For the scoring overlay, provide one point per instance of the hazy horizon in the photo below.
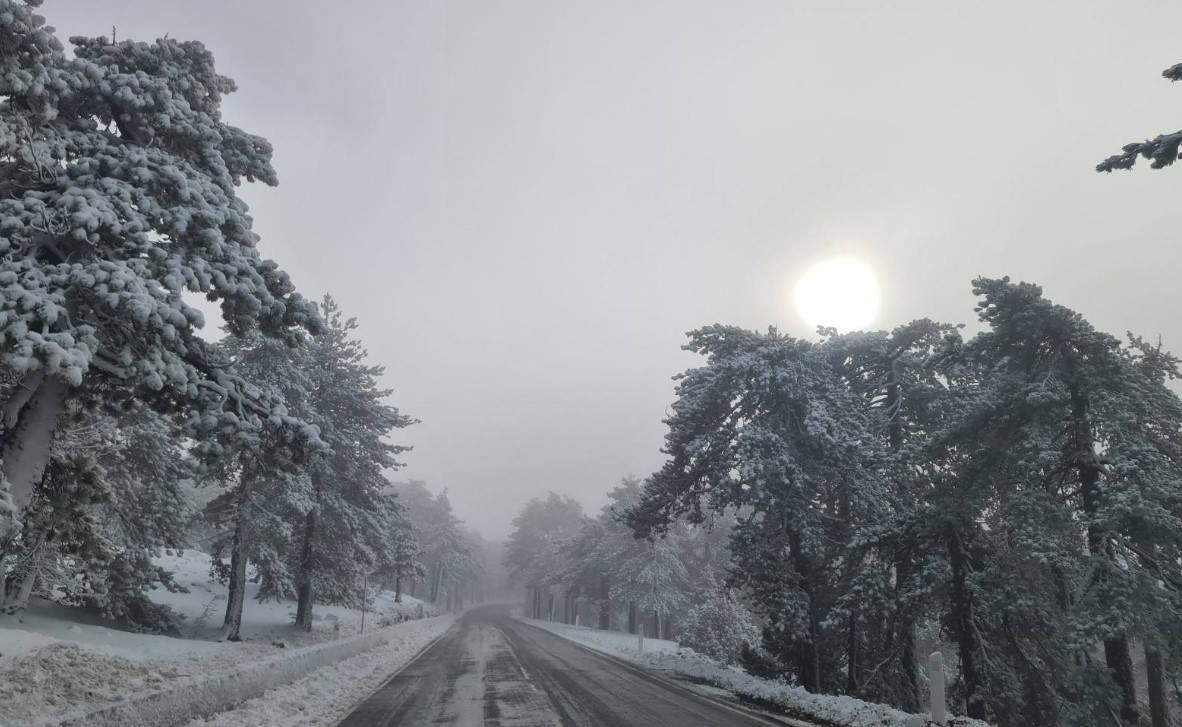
(527, 204)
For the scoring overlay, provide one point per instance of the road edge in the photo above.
(381, 685)
(771, 718)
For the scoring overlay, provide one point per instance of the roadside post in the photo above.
(936, 682)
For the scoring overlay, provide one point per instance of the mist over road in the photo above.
(493, 671)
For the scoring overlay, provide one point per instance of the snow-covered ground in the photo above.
(668, 657)
(323, 696)
(205, 605)
(58, 659)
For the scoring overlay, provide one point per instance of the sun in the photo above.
(842, 293)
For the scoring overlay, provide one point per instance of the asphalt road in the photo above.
(492, 671)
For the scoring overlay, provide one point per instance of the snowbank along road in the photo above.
(493, 671)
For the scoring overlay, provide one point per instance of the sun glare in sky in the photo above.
(841, 292)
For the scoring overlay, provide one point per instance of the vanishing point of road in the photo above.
(491, 670)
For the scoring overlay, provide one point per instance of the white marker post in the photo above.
(936, 682)
(640, 638)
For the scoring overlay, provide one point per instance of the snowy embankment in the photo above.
(60, 664)
(321, 698)
(668, 657)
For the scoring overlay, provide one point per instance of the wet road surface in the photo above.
(492, 671)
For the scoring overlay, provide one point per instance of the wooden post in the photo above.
(364, 599)
(936, 682)
(640, 638)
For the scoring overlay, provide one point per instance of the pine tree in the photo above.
(119, 183)
(719, 625)
(887, 567)
(445, 550)
(769, 426)
(345, 535)
(266, 479)
(1162, 150)
(400, 564)
(534, 552)
(111, 499)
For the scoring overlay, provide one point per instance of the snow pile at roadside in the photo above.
(63, 677)
(176, 703)
(682, 662)
(611, 642)
(323, 696)
(47, 625)
(59, 659)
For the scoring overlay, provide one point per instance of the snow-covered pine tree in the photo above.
(415, 502)
(119, 179)
(345, 534)
(1104, 435)
(652, 575)
(112, 498)
(266, 478)
(534, 551)
(887, 566)
(400, 564)
(768, 425)
(585, 570)
(718, 625)
(444, 548)
(1162, 150)
(146, 467)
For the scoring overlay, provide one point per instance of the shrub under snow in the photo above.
(719, 626)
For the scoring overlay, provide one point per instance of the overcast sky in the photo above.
(527, 204)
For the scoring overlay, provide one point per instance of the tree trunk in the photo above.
(808, 663)
(30, 420)
(1116, 650)
(237, 595)
(605, 604)
(17, 600)
(1158, 712)
(962, 625)
(908, 659)
(633, 618)
(808, 659)
(1120, 663)
(550, 607)
(304, 585)
(437, 585)
(398, 586)
(909, 699)
(851, 676)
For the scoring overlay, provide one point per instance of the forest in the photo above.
(827, 507)
(830, 510)
(124, 430)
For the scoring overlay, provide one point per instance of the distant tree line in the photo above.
(594, 571)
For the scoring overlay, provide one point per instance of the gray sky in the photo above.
(527, 203)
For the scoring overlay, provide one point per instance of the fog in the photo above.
(527, 204)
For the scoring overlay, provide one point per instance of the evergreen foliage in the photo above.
(120, 179)
(1022, 489)
(719, 625)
